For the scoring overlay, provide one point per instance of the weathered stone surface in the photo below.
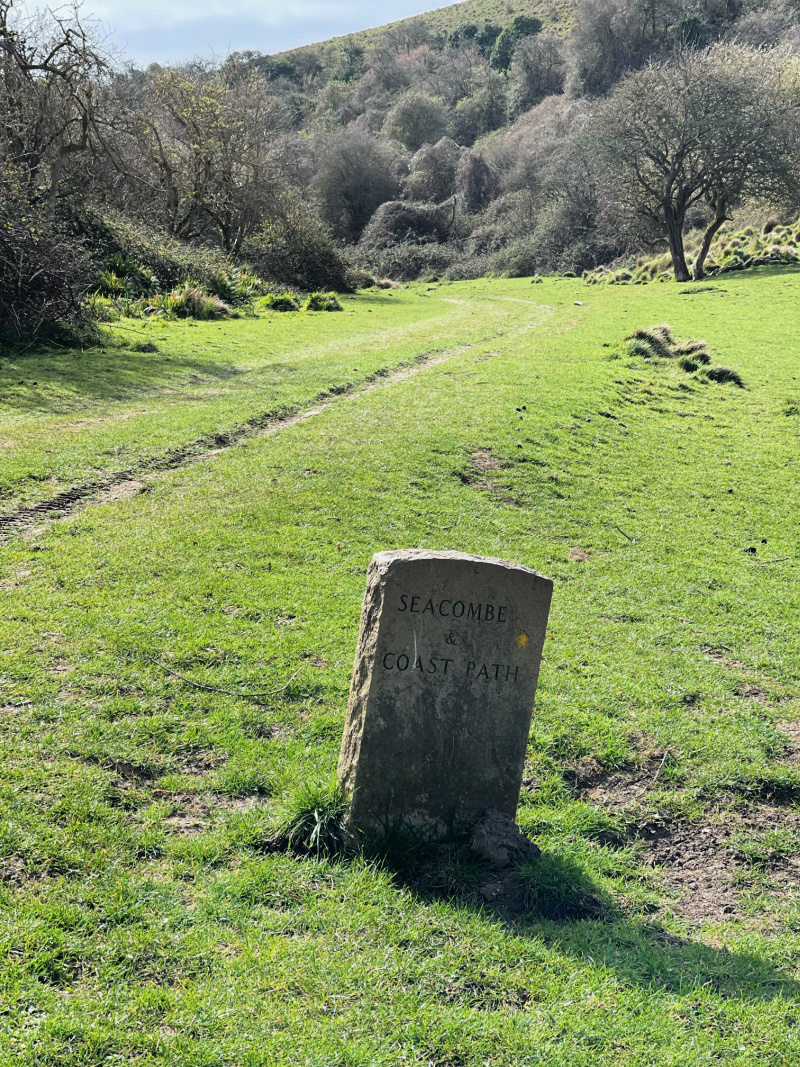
(497, 839)
(443, 689)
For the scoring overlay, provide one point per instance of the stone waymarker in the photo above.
(442, 692)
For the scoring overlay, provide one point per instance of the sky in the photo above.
(166, 31)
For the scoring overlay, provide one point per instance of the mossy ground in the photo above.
(144, 917)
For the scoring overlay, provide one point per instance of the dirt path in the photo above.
(127, 483)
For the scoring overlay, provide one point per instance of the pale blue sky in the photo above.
(169, 30)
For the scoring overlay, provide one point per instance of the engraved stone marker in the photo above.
(443, 688)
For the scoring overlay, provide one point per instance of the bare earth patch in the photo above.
(121, 491)
(698, 865)
(753, 692)
(195, 814)
(578, 555)
(483, 460)
(695, 864)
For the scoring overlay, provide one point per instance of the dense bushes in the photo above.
(405, 262)
(43, 274)
(400, 222)
(147, 259)
(299, 250)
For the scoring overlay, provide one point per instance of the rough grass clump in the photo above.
(655, 343)
(312, 819)
(659, 343)
(724, 375)
(280, 302)
(187, 302)
(695, 349)
(322, 302)
(236, 286)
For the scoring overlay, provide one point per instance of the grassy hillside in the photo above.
(554, 15)
(500, 12)
(175, 657)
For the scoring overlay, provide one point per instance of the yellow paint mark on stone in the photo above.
(522, 641)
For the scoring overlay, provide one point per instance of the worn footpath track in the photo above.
(263, 424)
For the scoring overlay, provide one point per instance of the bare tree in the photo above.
(201, 151)
(537, 70)
(356, 173)
(50, 67)
(706, 127)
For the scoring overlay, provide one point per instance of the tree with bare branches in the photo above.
(51, 64)
(704, 128)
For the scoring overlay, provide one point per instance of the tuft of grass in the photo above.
(724, 375)
(657, 341)
(312, 818)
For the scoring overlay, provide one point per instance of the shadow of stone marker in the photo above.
(442, 692)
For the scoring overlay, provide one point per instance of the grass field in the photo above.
(184, 509)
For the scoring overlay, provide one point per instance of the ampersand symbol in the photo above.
(451, 638)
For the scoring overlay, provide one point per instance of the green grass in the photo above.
(556, 17)
(145, 916)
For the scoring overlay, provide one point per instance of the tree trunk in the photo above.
(720, 216)
(52, 192)
(674, 220)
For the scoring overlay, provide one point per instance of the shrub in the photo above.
(133, 250)
(407, 262)
(399, 222)
(417, 120)
(298, 250)
(516, 260)
(43, 274)
(358, 278)
(322, 302)
(110, 284)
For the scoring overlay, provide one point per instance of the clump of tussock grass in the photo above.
(696, 349)
(658, 343)
(280, 302)
(311, 819)
(724, 375)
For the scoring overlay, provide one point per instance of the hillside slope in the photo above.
(555, 15)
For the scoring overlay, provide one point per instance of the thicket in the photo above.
(490, 148)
